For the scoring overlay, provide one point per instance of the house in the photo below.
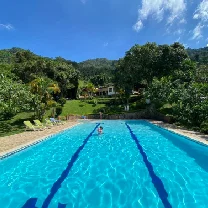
(108, 90)
(111, 90)
(101, 91)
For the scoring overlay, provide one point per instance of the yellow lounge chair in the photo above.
(38, 123)
(29, 126)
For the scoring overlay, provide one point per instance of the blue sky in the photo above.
(86, 29)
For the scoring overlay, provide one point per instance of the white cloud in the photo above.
(197, 32)
(182, 21)
(158, 8)
(200, 14)
(179, 31)
(7, 26)
(138, 26)
(202, 11)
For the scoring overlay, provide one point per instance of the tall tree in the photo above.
(14, 97)
(43, 89)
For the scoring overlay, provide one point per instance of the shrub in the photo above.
(204, 127)
(58, 110)
(141, 104)
(62, 101)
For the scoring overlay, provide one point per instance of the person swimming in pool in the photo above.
(100, 130)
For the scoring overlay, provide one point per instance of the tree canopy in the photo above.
(143, 63)
(170, 74)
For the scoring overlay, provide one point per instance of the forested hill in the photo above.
(98, 71)
(9, 55)
(199, 55)
(25, 66)
(99, 62)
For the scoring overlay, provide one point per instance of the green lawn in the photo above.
(15, 125)
(77, 107)
(72, 107)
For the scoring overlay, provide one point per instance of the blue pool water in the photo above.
(133, 164)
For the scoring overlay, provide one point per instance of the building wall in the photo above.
(111, 90)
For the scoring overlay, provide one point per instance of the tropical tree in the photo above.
(90, 89)
(187, 93)
(44, 89)
(14, 97)
(143, 63)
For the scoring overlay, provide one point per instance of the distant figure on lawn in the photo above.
(101, 115)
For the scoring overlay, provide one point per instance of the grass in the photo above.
(14, 125)
(78, 107)
(72, 107)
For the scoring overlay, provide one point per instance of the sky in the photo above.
(85, 29)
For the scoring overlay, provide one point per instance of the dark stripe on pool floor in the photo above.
(31, 202)
(157, 182)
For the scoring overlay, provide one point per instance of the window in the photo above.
(110, 89)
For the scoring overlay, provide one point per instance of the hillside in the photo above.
(99, 71)
(8, 55)
(199, 55)
(99, 62)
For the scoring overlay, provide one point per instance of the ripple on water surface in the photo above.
(109, 171)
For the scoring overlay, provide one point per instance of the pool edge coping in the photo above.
(178, 134)
(22, 147)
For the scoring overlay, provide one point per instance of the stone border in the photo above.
(30, 144)
(178, 134)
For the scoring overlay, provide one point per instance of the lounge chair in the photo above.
(48, 122)
(55, 121)
(29, 126)
(38, 123)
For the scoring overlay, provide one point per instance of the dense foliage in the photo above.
(169, 75)
(14, 97)
(35, 80)
(199, 55)
(171, 78)
(97, 71)
(143, 63)
(187, 95)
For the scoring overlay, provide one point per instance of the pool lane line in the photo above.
(30, 203)
(157, 182)
(65, 173)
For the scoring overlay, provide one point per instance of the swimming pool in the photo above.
(133, 164)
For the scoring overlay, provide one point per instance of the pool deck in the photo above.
(197, 136)
(14, 142)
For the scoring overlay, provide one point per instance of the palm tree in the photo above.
(90, 89)
(43, 88)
